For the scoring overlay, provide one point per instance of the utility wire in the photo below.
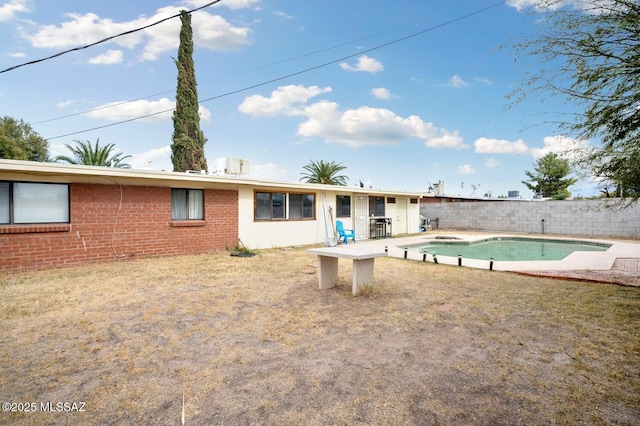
(264, 83)
(106, 39)
(304, 55)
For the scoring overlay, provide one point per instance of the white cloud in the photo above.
(154, 159)
(282, 14)
(523, 4)
(84, 29)
(210, 32)
(540, 5)
(465, 170)
(363, 126)
(231, 4)
(161, 109)
(56, 149)
(500, 146)
(483, 80)
(285, 100)
(417, 80)
(111, 57)
(560, 145)
(457, 82)
(18, 55)
(365, 64)
(11, 8)
(491, 163)
(447, 139)
(536, 4)
(381, 93)
(269, 171)
(215, 33)
(353, 127)
(64, 104)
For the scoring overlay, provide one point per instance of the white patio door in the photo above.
(361, 217)
(400, 225)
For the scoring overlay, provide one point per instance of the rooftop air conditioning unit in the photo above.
(231, 166)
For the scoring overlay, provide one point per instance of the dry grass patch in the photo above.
(253, 341)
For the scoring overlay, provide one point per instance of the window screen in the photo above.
(5, 215)
(343, 206)
(301, 206)
(270, 205)
(40, 203)
(376, 206)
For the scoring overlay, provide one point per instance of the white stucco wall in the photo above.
(284, 233)
(567, 217)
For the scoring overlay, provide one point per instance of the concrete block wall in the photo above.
(587, 218)
(117, 222)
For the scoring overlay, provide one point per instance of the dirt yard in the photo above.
(254, 341)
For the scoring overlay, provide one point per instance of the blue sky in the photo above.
(306, 83)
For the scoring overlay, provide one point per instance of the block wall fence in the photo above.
(110, 222)
(584, 218)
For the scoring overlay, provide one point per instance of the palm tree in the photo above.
(324, 172)
(97, 155)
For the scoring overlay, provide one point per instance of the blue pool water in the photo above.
(509, 248)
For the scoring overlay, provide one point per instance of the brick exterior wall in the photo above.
(110, 222)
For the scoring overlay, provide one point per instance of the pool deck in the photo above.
(622, 258)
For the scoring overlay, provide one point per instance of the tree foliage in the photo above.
(325, 172)
(590, 54)
(187, 149)
(18, 141)
(550, 178)
(94, 155)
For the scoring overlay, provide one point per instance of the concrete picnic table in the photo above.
(362, 265)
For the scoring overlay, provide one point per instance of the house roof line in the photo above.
(109, 175)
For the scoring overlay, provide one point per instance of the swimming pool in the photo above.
(508, 248)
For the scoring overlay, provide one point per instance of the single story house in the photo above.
(54, 214)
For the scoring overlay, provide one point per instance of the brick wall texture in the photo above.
(110, 222)
(586, 218)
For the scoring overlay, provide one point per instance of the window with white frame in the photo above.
(34, 202)
(187, 204)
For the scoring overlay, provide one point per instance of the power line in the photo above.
(106, 39)
(264, 83)
(205, 82)
(100, 108)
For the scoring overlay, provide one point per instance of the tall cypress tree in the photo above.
(187, 150)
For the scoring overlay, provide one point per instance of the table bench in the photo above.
(362, 266)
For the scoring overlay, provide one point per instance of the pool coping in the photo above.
(588, 261)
